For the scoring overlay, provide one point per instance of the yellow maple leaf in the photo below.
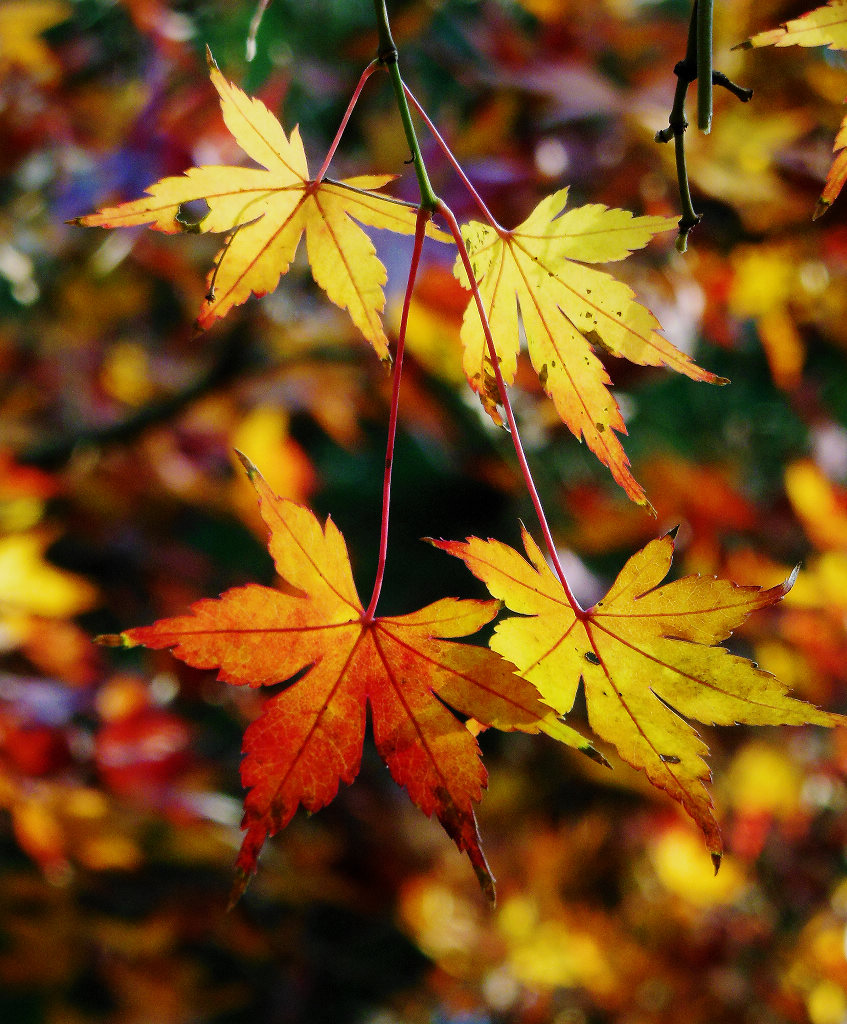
(644, 656)
(267, 210)
(824, 26)
(568, 309)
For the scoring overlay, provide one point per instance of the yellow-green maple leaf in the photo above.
(644, 656)
(567, 309)
(824, 26)
(266, 211)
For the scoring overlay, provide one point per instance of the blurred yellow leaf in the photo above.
(763, 285)
(564, 951)
(125, 374)
(262, 435)
(820, 507)
(21, 25)
(827, 1003)
(28, 583)
(737, 163)
(763, 278)
(40, 834)
(678, 861)
(822, 584)
(763, 777)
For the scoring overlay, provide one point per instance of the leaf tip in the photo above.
(114, 640)
(485, 878)
(442, 545)
(210, 60)
(716, 856)
(777, 593)
(249, 467)
(591, 751)
(239, 885)
(821, 207)
(784, 587)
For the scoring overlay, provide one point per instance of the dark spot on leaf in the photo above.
(669, 758)
(591, 657)
(190, 214)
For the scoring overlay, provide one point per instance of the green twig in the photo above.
(704, 65)
(387, 55)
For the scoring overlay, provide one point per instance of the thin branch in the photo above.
(420, 230)
(232, 361)
(697, 65)
(253, 31)
(686, 72)
(453, 225)
(457, 167)
(354, 99)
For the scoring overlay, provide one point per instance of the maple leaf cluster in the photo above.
(122, 502)
(567, 308)
(645, 654)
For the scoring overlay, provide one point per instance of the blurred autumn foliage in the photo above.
(121, 502)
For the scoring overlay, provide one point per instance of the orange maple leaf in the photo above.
(644, 656)
(837, 173)
(309, 737)
(266, 212)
